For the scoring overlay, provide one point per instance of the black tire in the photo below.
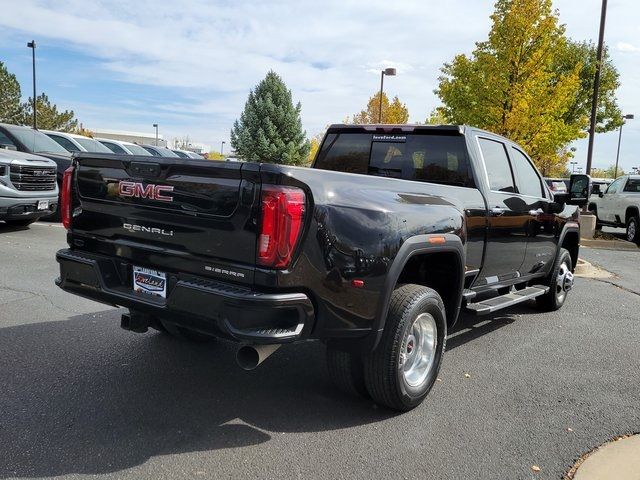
(184, 334)
(594, 209)
(633, 230)
(556, 296)
(24, 222)
(346, 371)
(383, 368)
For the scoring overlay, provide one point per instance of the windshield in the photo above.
(92, 145)
(136, 149)
(35, 141)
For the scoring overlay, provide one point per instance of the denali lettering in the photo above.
(141, 228)
(139, 190)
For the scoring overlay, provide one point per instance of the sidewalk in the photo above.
(617, 460)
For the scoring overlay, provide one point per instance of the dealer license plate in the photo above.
(151, 282)
(43, 204)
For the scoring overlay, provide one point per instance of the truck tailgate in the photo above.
(201, 211)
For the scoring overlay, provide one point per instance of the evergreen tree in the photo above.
(11, 110)
(49, 118)
(270, 128)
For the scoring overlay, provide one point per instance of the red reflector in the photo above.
(357, 283)
(65, 198)
(282, 219)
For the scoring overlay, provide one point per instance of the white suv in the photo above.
(76, 143)
(619, 206)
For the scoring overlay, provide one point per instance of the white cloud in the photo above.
(627, 47)
(210, 53)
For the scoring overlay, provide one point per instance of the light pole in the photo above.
(596, 86)
(389, 72)
(573, 166)
(32, 46)
(222, 148)
(156, 127)
(624, 117)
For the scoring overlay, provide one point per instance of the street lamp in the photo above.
(156, 127)
(624, 117)
(389, 72)
(32, 46)
(222, 148)
(573, 166)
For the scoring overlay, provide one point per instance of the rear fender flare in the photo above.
(417, 245)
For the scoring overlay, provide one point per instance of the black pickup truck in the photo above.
(374, 250)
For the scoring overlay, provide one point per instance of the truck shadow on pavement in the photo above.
(83, 396)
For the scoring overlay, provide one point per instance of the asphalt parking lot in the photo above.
(79, 396)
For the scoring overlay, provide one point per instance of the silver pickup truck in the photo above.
(28, 188)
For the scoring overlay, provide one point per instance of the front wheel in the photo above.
(559, 281)
(633, 230)
(401, 371)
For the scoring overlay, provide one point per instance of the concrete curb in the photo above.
(608, 244)
(587, 270)
(619, 459)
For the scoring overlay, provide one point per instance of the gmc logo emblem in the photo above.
(139, 190)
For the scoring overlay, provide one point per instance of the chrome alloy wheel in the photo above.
(564, 282)
(419, 350)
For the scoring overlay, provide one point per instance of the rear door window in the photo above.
(527, 178)
(497, 165)
(633, 185)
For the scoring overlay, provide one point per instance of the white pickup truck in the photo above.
(619, 206)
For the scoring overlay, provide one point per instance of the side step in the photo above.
(503, 301)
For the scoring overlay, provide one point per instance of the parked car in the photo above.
(123, 148)
(28, 140)
(619, 206)
(187, 154)
(374, 250)
(159, 151)
(28, 188)
(76, 143)
(557, 185)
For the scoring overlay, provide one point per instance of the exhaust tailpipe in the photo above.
(250, 356)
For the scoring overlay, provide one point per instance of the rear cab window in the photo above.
(419, 156)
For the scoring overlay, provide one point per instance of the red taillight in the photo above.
(282, 218)
(65, 198)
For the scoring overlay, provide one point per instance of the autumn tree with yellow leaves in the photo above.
(394, 112)
(527, 81)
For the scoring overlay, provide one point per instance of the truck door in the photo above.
(508, 216)
(606, 206)
(541, 243)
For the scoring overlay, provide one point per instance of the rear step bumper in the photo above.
(197, 303)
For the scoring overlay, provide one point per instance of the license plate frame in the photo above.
(149, 281)
(43, 205)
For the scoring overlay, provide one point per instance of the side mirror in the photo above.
(579, 188)
(601, 194)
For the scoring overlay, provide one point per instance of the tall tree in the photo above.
(49, 118)
(525, 82)
(270, 128)
(11, 110)
(394, 112)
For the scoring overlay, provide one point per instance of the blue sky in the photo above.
(189, 64)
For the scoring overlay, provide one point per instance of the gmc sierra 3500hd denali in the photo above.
(374, 250)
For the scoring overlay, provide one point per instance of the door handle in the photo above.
(535, 213)
(497, 211)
